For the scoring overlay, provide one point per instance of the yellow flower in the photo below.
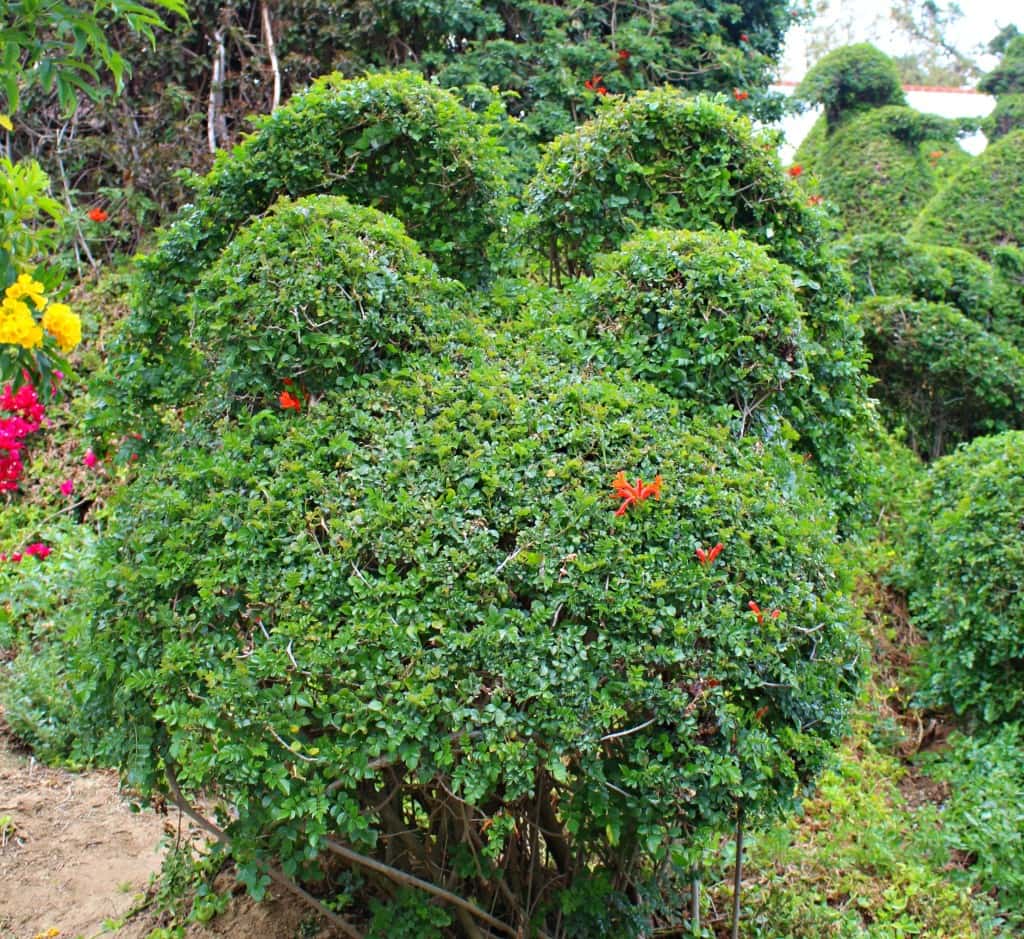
(63, 325)
(5, 122)
(17, 325)
(25, 286)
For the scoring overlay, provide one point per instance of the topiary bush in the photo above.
(409, 622)
(978, 209)
(962, 566)
(940, 376)
(872, 166)
(889, 264)
(391, 141)
(850, 79)
(264, 314)
(708, 317)
(1006, 82)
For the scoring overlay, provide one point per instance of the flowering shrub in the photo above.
(417, 586)
(941, 376)
(25, 415)
(962, 566)
(29, 346)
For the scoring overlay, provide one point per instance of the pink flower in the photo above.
(16, 557)
(39, 549)
(90, 459)
(67, 487)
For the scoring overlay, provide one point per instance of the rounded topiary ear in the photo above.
(663, 159)
(708, 316)
(315, 292)
(392, 141)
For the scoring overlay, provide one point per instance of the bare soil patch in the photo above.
(74, 854)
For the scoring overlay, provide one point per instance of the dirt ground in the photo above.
(75, 860)
(73, 854)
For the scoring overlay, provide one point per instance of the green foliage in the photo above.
(34, 595)
(545, 53)
(963, 562)
(1006, 82)
(391, 141)
(709, 317)
(873, 167)
(25, 209)
(982, 820)
(662, 159)
(978, 209)
(889, 264)
(851, 79)
(859, 864)
(421, 584)
(263, 313)
(58, 45)
(409, 915)
(941, 377)
(1007, 78)
(1007, 116)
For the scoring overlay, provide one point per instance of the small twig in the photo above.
(631, 730)
(511, 557)
(295, 753)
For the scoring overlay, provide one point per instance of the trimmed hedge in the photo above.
(963, 567)
(941, 377)
(980, 210)
(264, 313)
(889, 264)
(420, 587)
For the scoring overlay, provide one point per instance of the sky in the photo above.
(848, 21)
